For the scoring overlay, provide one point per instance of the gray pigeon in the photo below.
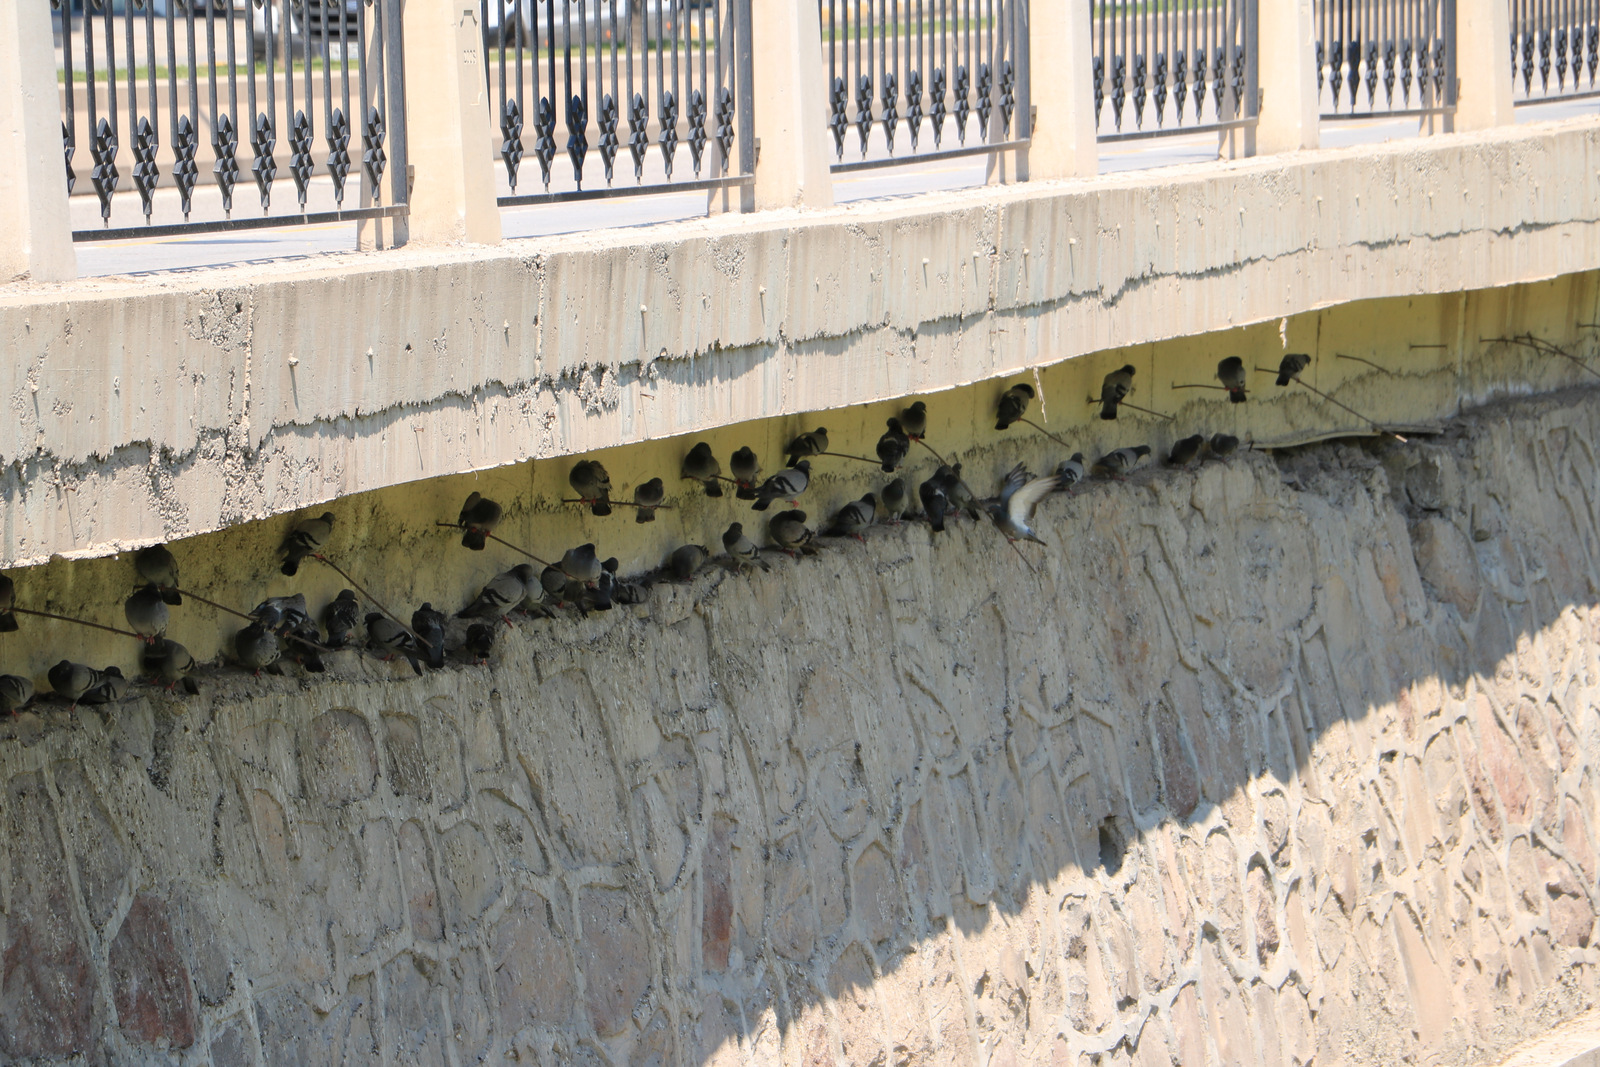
(428, 624)
(598, 597)
(790, 533)
(854, 517)
(109, 687)
(914, 421)
(1013, 405)
(1116, 464)
(480, 642)
(304, 641)
(746, 471)
(1019, 495)
(893, 501)
(1223, 445)
(170, 663)
(741, 550)
(814, 443)
(630, 593)
(307, 538)
(554, 584)
(479, 517)
(1114, 389)
(146, 612)
(785, 485)
(959, 494)
(893, 446)
(256, 647)
(935, 501)
(280, 614)
(593, 485)
(581, 564)
(72, 680)
(8, 596)
(504, 593)
(1186, 451)
(1291, 366)
(648, 497)
(388, 636)
(341, 617)
(1230, 372)
(685, 561)
(156, 567)
(1070, 473)
(701, 465)
(15, 691)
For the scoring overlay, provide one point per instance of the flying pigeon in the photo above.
(479, 517)
(648, 497)
(157, 567)
(593, 486)
(1019, 495)
(701, 465)
(1114, 389)
(306, 539)
(1013, 405)
(785, 485)
(1230, 372)
(893, 446)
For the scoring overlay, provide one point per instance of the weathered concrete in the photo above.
(144, 411)
(1278, 759)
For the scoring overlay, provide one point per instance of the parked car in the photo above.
(308, 20)
(552, 20)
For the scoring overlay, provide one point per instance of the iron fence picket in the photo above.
(1379, 49)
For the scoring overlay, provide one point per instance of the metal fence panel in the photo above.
(1199, 56)
(641, 83)
(298, 66)
(1406, 45)
(1559, 40)
(906, 77)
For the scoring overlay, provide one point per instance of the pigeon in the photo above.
(914, 421)
(630, 593)
(1116, 464)
(581, 564)
(746, 470)
(701, 465)
(305, 641)
(741, 550)
(789, 532)
(854, 517)
(501, 596)
(1070, 473)
(1114, 389)
(959, 494)
(598, 597)
(893, 446)
(1291, 366)
(576, 594)
(1230, 372)
(1019, 495)
(480, 641)
(935, 502)
(341, 617)
(814, 443)
(170, 663)
(1186, 451)
(157, 567)
(8, 596)
(554, 584)
(1013, 404)
(280, 614)
(147, 613)
(892, 498)
(785, 485)
(593, 486)
(15, 691)
(393, 639)
(479, 517)
(306, 539)
(1223, 445)
(72, 680)
(256, 647)
(648, 497)
(428, 625)
(109, 687)
(685, 561)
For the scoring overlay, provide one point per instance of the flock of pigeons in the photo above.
(282, 628)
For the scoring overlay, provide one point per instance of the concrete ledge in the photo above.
(1575, 1043)
(149, 410)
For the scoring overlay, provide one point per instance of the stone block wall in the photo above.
(1287, 760)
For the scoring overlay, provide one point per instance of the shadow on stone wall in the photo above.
(1279, 760)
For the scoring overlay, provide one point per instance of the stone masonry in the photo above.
(1288, 760)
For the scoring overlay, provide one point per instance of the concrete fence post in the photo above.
(447, 125)
(1286, 49)
(791, 105)
(1062, 49)
(35, 228)
(1483, 36)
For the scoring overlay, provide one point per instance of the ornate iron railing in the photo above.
(906, 77)
(634, 80)
(1197, 55)
(1406, 46)
(147, 85)
(1554, 37)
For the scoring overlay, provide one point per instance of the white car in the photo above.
(552, 19)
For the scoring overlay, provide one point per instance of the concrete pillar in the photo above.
(35, 229)
(791, 105)
(1286, 52)
(447, 116)
(1483, 36)
(1062, 50)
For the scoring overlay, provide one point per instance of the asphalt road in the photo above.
(197, 251)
